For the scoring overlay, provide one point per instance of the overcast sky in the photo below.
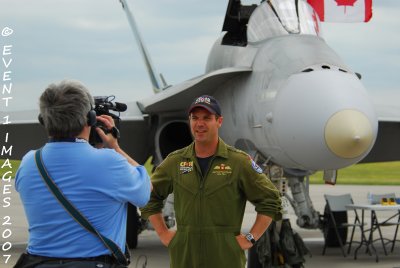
(90, 40)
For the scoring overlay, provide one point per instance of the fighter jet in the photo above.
(287, 99)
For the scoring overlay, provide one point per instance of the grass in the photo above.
(385, 173)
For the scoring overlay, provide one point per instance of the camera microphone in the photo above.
(114, 106)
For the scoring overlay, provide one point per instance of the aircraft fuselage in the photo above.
(288, 107)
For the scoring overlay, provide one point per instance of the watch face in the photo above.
(250, 238)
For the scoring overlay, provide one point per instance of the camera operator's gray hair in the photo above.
(64, 108)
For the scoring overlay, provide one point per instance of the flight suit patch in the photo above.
(222, 170)
(256, 167)
(186, 167)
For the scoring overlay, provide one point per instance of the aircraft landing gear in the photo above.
(277, 243)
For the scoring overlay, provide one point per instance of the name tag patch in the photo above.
(186, 167)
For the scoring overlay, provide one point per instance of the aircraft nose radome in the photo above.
(322, 119)
(348, 134)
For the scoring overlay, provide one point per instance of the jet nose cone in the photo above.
(349, 134)
(322, 120)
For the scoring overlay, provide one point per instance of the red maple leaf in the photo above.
(345, 3)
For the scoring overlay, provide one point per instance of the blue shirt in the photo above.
(98, 182)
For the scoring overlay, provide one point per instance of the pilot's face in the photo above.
(204, 125)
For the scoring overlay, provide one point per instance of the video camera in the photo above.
(103, 105)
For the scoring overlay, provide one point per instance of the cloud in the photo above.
(95, 24)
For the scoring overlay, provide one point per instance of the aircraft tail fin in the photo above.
(150, 69)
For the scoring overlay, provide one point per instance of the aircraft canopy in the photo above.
(281, 17)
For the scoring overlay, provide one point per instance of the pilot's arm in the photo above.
(165, 234)
(262, 193)
(162, 187)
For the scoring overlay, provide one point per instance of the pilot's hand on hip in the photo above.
(167, 236)
(243, 242)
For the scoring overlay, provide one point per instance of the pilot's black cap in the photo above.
(207, 102)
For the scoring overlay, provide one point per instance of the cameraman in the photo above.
(98, 182)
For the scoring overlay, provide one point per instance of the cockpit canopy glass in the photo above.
(281, 17)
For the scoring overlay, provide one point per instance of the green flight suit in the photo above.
(209, 209)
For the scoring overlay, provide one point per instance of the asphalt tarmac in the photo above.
(14, 234)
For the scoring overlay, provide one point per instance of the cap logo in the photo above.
(206, 102)
(203, 100)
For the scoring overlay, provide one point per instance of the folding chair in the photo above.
(336, 205)
(376, 224)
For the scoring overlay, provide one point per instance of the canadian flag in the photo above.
(343, 10)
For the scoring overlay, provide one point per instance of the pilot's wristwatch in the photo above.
(250, 238)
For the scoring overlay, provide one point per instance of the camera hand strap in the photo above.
(114, 248)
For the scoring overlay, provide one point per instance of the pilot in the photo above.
(98, 182)
(211, 182)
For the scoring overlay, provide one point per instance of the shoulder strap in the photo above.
(114, 248)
